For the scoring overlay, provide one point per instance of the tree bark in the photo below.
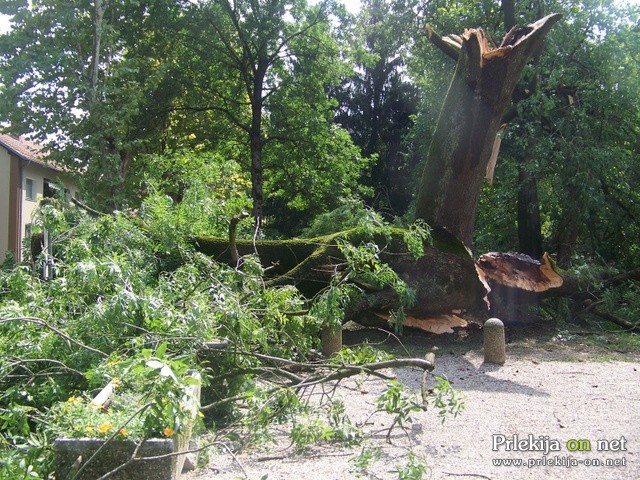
(448, 282)
(469, 121)
(529, 223)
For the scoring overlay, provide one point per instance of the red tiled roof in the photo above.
(26, 149)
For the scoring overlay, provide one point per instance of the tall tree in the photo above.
(72, 74)
(272, 63)
(378, 101)
(471, 116)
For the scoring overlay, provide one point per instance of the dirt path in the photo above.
(537, 396)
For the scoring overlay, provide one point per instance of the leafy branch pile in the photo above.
(133, 303)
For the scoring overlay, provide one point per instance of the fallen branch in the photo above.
(42, 323)
(626, 324)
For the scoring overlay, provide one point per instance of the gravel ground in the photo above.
(536, 393)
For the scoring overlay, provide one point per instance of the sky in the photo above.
(4, 23)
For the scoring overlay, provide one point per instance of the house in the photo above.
(25, 178)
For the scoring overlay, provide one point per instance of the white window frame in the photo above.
(29, 189)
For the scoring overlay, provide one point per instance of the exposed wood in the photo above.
(516, 281)
(104, 397)
(450, 46)
(491, 166)
(520, 271)
(434, 324)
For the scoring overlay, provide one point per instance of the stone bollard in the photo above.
(331, 341)
(494, 349)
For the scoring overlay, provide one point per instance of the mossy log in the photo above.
(444, 278)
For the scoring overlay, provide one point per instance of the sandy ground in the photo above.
(555, 402)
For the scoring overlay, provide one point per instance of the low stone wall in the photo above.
(114, 454)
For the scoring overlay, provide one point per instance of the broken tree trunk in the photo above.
(451, 288)
(469, 121)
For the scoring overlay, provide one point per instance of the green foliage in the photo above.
(131, 302)
(113, 294)
(377, 102)
(310, 429)
(445, 399)
(353, 213)
(365, 459)
(359, 354)
(152, 399)
(397, 403)
(414, 469)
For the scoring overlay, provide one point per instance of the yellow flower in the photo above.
(89, 429)
(105, 427)
(74, 400)
(124, 432)
(116, 382)
(168, 432)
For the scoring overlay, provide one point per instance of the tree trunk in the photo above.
(471, 116)
(529, 225)
(450, 286)
(444, 279)
(256, 142)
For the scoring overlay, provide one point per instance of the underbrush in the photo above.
(131, 303)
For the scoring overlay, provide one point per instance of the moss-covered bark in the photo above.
(444, 279)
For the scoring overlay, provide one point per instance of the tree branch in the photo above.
(43, 323)
(450, 46)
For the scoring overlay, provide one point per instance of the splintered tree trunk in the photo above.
(471, 116)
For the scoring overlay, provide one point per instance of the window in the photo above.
(48, 189)
(29, 194)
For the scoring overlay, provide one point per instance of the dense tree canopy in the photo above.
(300, 95)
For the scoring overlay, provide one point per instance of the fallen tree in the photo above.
(444, 278)
(451, 287)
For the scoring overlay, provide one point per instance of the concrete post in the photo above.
(331, 341)
(494, 343)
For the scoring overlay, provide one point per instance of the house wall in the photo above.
(16, 211)
(37, 173)
(5, 169)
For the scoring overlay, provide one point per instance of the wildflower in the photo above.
(105, 427)
(124, 432)
(74, 400)
(168, 432)
(89, 429)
